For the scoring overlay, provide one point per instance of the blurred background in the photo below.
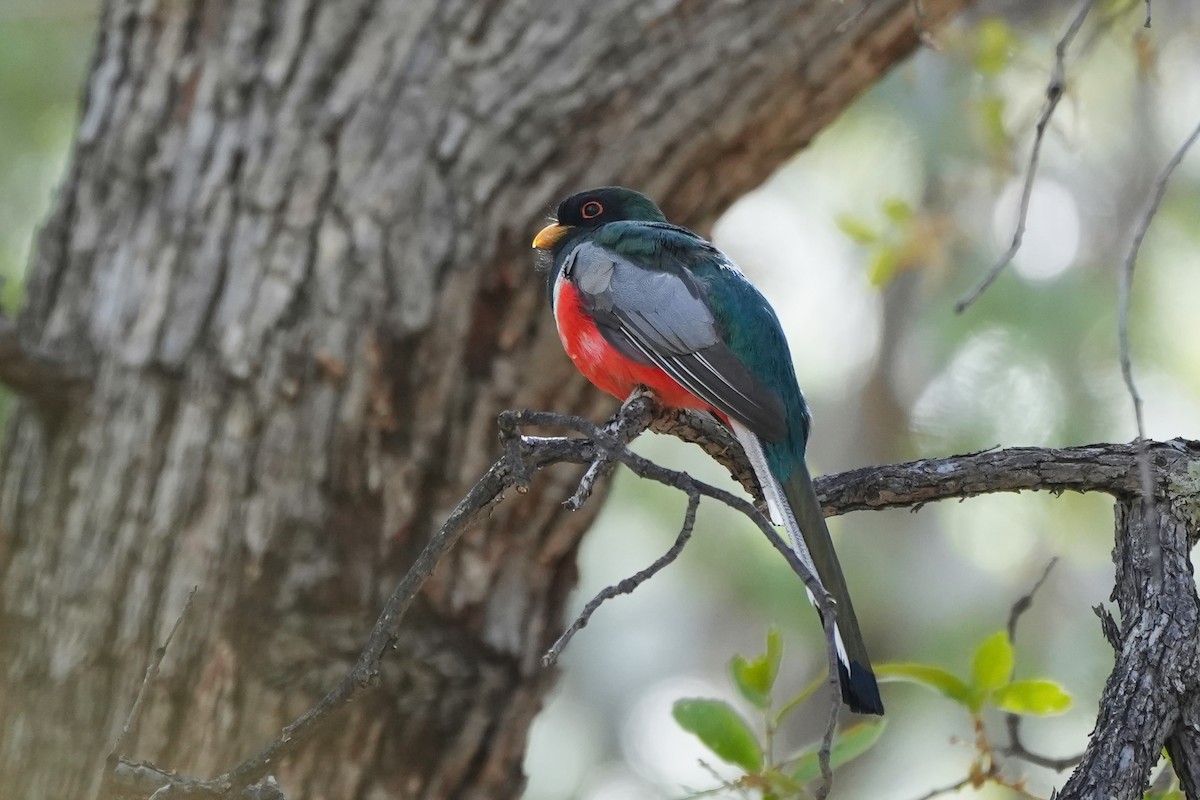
(863, 243)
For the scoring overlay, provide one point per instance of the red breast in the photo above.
(603, 364)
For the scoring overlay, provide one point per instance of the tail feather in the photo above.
(794, 505)
(859, 688)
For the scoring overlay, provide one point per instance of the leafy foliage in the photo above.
(990, 685)
(722, 730)
(730, 736)
(905, 240)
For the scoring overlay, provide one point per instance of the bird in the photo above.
(641, 302)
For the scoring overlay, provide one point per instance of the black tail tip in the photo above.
(859, 689)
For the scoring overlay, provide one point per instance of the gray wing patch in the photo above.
(659, 317)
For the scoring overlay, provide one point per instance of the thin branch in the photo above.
(1054, 92)
(1025, 602)
(115, 756)
(604, 464)
(1147, 13)
(628, 585)
(644, 468)
(1126, 284)
(825, 754)
(1016, 747)
(511, 470)
(151, 673)
(953, 787)
(1123, 304)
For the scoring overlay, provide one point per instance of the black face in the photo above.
(607, 204)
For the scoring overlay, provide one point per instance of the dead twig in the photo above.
(115, 755)
(628, 585)
(1024, 602)
(1125, 291)
(1016, 748)
(151, 673)
(1054, 92)
(953, 787)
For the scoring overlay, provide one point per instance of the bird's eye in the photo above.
(591, 209)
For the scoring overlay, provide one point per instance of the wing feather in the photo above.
(660, 317)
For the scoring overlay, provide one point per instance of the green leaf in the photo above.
(897, 210)
(851, 744)
(722, 730)
(928, 676)
(995, 43)
(755, 679)
(1039, 697)
(883, 265)
(993, 664)
(750, 679)
(857, 229)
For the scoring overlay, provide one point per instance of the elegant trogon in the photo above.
(639, 301)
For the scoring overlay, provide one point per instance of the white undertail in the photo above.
(781, 514)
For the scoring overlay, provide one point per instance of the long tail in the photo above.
(795, 506)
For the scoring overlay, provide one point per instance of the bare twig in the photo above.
(1147, 13)
(604, 464)
(1024, 602)
(824, 755)
(151, 673)
(511, 470)
(118, 749)
(1016, 747)
(1126, 284)
(953, 787)
(1054, 92)
(1123, 304)
(644, 468)
(628, 585)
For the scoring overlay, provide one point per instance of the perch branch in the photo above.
(611, 448)
(1107, 468)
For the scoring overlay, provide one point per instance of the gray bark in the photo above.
(286, 283)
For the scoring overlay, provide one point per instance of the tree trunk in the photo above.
(287, 282)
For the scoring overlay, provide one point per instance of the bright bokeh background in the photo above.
(930, 162)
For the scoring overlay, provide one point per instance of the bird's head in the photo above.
(593, 208)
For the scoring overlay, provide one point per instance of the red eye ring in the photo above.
(591, 209)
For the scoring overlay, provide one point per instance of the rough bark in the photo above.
(287, 283)
(1150, 698)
